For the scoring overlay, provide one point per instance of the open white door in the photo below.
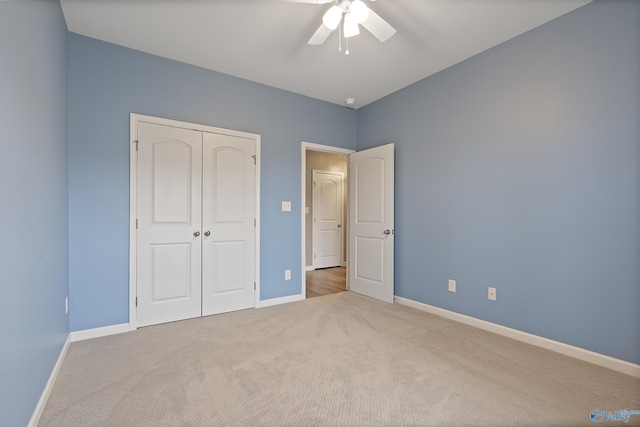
(371, 223)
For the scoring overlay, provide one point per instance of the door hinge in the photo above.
(255, 162)
(314, 183)
(135, 141)
(254, 286)
(136, 223)
(314, 256)
(254, 223)
(136, 301)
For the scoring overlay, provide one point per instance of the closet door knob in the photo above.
(196, 233)
(207, 233)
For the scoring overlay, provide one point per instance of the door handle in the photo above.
(196, 233)
(207, 233)
(387, 232)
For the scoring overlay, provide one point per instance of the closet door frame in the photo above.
(133, 197)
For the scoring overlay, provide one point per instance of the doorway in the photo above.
(319, 279)
(370, 229)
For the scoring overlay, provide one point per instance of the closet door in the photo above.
(169, 224)
(228, 206)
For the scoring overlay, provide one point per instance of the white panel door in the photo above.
(228, 205)
(371, 222)
(169, 221)
(327, 219)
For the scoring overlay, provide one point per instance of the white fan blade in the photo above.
(378, 26)
(321, 35)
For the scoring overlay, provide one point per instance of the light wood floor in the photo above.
(326, 281)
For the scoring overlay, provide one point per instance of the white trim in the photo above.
(99, 332)
(556, 346)
(256, 267)
(44, 397)
(309, 268)
(133, 213)
(278, 301)
(310, 146)
(133, 198)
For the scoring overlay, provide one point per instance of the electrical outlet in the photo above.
(287, 275)
(492, 294)
(452, 285)
(286, 206)
(66, 305)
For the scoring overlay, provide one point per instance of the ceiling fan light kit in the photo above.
(332, 17)
(350, 26)
(347, 16)
(359, 11)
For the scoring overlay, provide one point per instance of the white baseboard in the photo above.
(278, 301)
(42, 402)
(556, 346)
(99, 332)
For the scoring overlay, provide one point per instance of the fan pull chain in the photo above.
(340, 38)
(346, 52)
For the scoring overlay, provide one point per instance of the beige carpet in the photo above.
(338, 360)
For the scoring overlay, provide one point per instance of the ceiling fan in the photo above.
(346, 16)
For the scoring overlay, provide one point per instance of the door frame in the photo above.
(310, 146)
(134, 119)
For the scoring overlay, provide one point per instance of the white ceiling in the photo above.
(265, 41)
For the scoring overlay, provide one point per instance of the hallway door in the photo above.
(327, 219)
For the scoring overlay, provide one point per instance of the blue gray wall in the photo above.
(106, 83)
(520, 169)
(33, 208)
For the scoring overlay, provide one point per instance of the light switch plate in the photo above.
(286, 206)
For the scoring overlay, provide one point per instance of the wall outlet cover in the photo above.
(492, 294)
(452, 285)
